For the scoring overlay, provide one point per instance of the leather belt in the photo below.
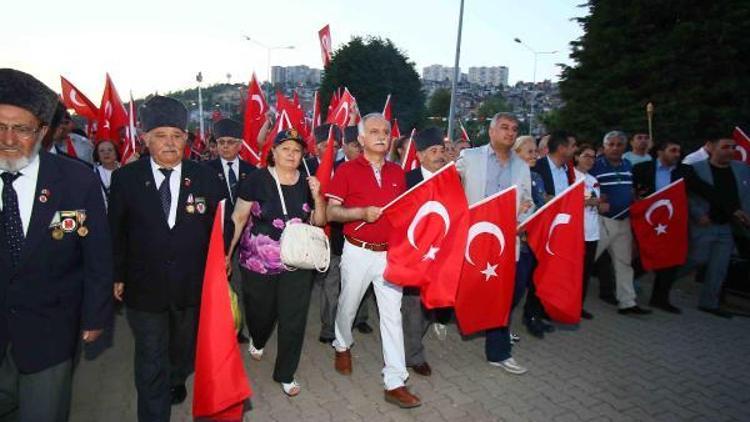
(376, 247)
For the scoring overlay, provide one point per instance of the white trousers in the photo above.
(359, 268)
(616, 238)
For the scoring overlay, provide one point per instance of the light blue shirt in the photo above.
(499, 175)
(559, 175)
(663, 176)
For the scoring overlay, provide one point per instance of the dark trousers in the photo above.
(40, 396)
(588, 265)
(282, 298)
(532, 308)
(604, 271)
(663, 281)
(497, 341)
(164, 357)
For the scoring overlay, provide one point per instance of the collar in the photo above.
(426, 173)
(224, 162)
(155, 167)
(363, 161)
(552, 164)
(31, 169)
(659, 165)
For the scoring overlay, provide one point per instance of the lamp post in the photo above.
(268, 52)
(533, 83)
(456, 74)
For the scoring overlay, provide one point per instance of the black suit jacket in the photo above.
(161, 267)
(644, 176)
(413, 177)
(245, 170)
(61, 286)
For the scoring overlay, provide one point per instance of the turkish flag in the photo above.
(325, 45)
(325, 169)
(387, 112)
(255, 115)
(73, 98)
(410, 161)
(340, 114)
(464, 135)
(660, 226)
(221, 386)
(555, 235)
(485, 292)
(282, 123)
(129, 147)
(294, 113)
(428, 236)
(743, 145)
(112, 114)
(395, 131)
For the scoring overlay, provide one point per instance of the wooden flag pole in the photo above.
(650, 116)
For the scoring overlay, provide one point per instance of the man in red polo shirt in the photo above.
(357, 193)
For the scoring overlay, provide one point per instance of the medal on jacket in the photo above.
(190, 207)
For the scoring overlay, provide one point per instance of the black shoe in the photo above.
(534, 327)
(717, 311)
(634, 310)
(178, 394)
(609, 299)
(666, 307)
(325, 340)
(363, 328)
(242, 339)
(586, 314)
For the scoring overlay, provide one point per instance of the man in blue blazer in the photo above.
(55, 257)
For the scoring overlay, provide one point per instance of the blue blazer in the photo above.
(61, 286)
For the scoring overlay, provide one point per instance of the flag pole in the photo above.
(650, 116)
(456, 74)
(199, 78)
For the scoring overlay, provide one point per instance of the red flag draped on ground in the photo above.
(221, 385)
(426, 244)
(410, 161)
(555, 235)
(112, 114)
(660, 226)
(325, 44)
(743, 145)
(485, 292)
(340, 114)
(255, 115)
(387, 112)
(73, 98)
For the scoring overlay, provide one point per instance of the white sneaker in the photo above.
(514, 338)
(510, 366)
(255, 354)
(441, 331)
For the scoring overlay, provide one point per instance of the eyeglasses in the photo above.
(22, 131)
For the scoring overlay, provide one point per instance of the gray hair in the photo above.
(614, 134)
(368, 116)
(502, 115)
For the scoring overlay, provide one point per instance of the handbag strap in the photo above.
(278, 187)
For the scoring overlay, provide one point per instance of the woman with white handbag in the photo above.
(272, 208)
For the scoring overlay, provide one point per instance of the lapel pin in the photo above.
(187, 182)
(57, 233)
(148, 183)
(42, 198)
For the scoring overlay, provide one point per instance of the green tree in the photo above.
(685, 56)
(371, 68)
(439, 103)
(491, 106)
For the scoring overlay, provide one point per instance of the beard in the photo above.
(18, 164)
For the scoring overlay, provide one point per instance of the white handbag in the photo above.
(303, 246)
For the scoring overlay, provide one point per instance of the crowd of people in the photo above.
(79, 227)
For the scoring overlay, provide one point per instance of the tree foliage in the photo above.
(688, 57)
(371, 68)
(491, 106)
(439, 103)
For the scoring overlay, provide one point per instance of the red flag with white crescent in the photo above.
(131, 133)
(255, 115)
(112, 114)
(742, 152)
(73, 98)
(387, 112)
(485, 292)
(410, 161)
(340, 115)
(326, 49)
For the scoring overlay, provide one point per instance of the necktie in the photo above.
(11, 218)
(165, 193)
(232, 182)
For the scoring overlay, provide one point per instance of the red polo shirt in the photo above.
(355, 185)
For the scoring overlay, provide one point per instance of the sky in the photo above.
(160, 45)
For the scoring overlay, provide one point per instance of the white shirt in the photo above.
(695, 156)
(235, 169)
(591, 214)
(174, 188)
(25, 187)
(559, 176)
(105, 175)
(426, 174)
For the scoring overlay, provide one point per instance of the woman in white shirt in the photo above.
(585, 157)
(107, 160)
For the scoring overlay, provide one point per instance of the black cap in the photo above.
(428, 137)
(321, 133)
(163, 112)
(289, 135)
(351, 133)
(228, 127)
(25, 91)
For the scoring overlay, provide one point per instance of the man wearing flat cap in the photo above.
(321, 141)
(55, 257)
(161, 211)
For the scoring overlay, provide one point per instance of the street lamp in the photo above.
(268, 52)
(533, 84)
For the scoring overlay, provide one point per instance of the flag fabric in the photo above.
(485, 290)
(743, 145)
(387, 112)
(221, 386)
(555, 235)
(464, 134)
(112, 114)
(410, 161)
(426, 244)
(73, 98)
(340, 114)
(325, 169)
(131, 133)
(294, 113)
(395, 131)
(70, 150)
(660, 226)
(255, 116)
(282, 123)
(325, 45)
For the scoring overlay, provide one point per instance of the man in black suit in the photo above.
(231, 170)
(55, 257)
(415, 318)
(321, 141)
(161, 212)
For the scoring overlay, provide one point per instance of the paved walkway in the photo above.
(693, 367)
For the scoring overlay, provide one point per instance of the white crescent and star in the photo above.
(259, 100)
(560, 219)
(660, 228)
(429, 207)
(485, 227)
(344, 106)
(743, 152)
(74, 98)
